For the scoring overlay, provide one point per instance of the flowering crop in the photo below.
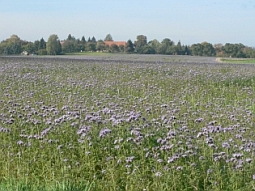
(132, 125)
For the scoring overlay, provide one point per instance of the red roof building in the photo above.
(118, 43)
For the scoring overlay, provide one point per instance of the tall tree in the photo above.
(83, 40)
(40, 47)
(178, 48)
(100, 46)
(140, 42)
(196, 49)
(70, 37)
(12, 45)
(29, 47)
(42, 44)
(129, 47)
(208, 49)
(36, 45)
(82, 43)
(90, 47)
(166, 47)
(93, 40)
(108, 38)
(155, 44)
(218, 49)
(53, 45)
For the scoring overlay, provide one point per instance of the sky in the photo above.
(190, 21)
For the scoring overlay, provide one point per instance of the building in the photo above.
(118, 43)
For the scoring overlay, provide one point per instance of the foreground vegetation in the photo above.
(238, 61)
(73, 124)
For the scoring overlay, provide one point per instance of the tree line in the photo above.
(54, 46)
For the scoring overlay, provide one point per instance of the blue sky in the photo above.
(190, 21)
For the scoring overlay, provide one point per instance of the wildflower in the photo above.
(248, 160)
(160, 160)
(60, 146)
(179, 168)
(209, 171)
(130, 159)
(45, 131)
(104, 132)
(6, 130)
(20, 142)
(158, 174)
(209, 140)
(225, 145)
(116, 146)
(198, 120)
(237, 155)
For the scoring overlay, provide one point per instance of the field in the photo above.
(238, 60)
(126, 122)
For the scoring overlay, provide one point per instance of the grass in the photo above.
(77, 124)
(238, 61)
(89, 54)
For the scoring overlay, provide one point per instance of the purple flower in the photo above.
(130, 159)
(248, 160)
(158, 174)
(104, 132)
(225, 145)
(198, 120)
(45, 131)
(6, 130)
(209, 171)
(179, 168)
(20, 142)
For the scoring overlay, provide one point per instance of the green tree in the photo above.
(42, 44)
(218, 49)
(234, 50)
(108, 38)
(29, 47)
(178, 48)
(140, 42)
(36, 45)
(114, 48)
(121, 48)
(186, 50)
(91, 44)
(208, 49)
(90, 47)
(53, 45)
(83, 43)
(83, 39)
(155, 45)
(166, 47)
(129, 47)
(69, 44)
(146, 49)
(196, 49)
(12, 45)
(93, 40)
(100, 46)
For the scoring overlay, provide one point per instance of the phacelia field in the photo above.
(77, 124)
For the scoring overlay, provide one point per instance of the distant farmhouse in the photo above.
(118, 43)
